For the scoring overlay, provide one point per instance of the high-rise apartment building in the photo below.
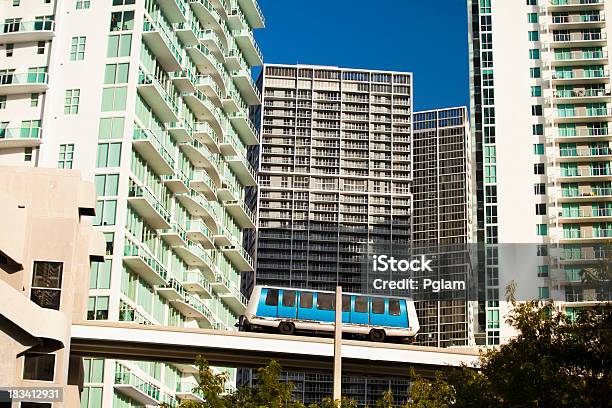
(149, 99)
(334, 172)
(541, 110)
(442, 221)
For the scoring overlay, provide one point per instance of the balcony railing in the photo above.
(20, 133)
(585, 172)
(593, 192)
(586, 151)
(577, 234)
(589, 18)
(29, 78)
(588, 213)
(586, 36)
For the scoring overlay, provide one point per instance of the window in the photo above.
(361, 304)
(41, 47)
(535, 72)
(39, 367)
(122, 21)
(306, 300)
(111, 128)
(532, 2)
(536, 110)
(2, 101)
(71, 101)
(113, 99)
(97, 308)
(542, 229)
(534, 54)
(542, 271)
(540, 209)
(539, 188)
(107, 184)
(378, 305)
(100, 274)
(534, 35)
(119, 45)
(47, 284)
(105, 212)
(538, 148)
(288, 298)
(116, 73)
(109, 154)
(325, 301)
(27, 154)
(34, 100)
(542, 250)
(538, 168)
(66, 153)
(346, 303)
(16, 3)
(9, 50)
(538, 130)
(532, 18)
(394, 307)
(536, 91)
(272, 297)
(82, 4)
(123, 2)
(25, 404)
(543, 292)
(77, 49)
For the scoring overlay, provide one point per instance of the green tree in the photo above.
(386, 400)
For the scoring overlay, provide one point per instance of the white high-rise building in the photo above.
(541, 113)
(149, 99)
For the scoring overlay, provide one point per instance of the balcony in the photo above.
(581, 114)
(253, 13)
(569, 5)
(152, 150)
(174, 10)
(584, 153)
(198, 207)
(208, 64)
(199, 155)
(134, 387)
(585, 195)
(203, 109)
(12, 83)
(586, 235)
(174, 236)
(245, 173)
(205, 134)
(246, 86)
(248, 46)
(202, 183)
(234, 61)
(183, 80)
(20, 137)
(236, 301)
(244, 127)
(180, 131)
(581, 96)
(209, 17)
(148, 206)
(228, 191)
(140, 261)
(568, 58)
(213, 42)
(580, 77)
(187, 32)
(231, 145)
(582, 135)
(584, 215)
(194, 255)
(584, 174)
(194, 282)
(157, 98)
(241, 214)
(27, 31)
(177, 182)
(163, 44)
(188, 390)
(172, 290)
(236, 18)
(192, 307)
(238, 257)
(209, 87)
(579, 39)
(233, 102)
(572, 21)
(199, 232)
(222, 237)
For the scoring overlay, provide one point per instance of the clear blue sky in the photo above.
(428, 38)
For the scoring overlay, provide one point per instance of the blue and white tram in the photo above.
(289, 310)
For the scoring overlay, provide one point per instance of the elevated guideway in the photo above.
(241, 349)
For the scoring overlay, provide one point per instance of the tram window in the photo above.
(306, 300)
(361, 304)
(325, 301)
(394, 307)
(289, 298)
(346, 303)
(378, 305)
(272, 297)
